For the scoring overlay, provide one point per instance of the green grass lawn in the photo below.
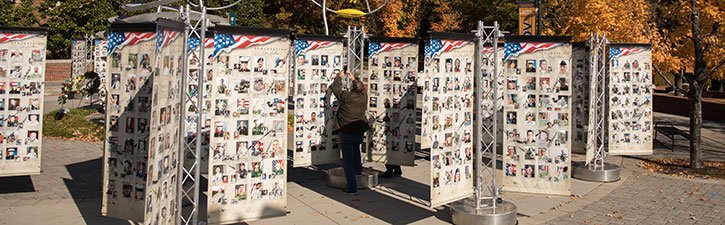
(73, 126)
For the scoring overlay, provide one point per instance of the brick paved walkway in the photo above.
(70, 169)
(655, 199)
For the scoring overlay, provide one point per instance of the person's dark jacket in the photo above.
(350, 118)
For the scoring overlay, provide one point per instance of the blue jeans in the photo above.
(351, 161)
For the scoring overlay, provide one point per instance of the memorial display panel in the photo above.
(142, 128)
(247, 158)
(318, 59)
(537, 129)
(391, 81)
(580, 94)
(22, 73)
(630, 99)
(448, 115)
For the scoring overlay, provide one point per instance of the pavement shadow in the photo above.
(85, 188)
(16, 184)
(378, 205)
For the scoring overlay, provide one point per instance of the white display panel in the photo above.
(247, 158)
(22, 73)
(448, 114)
(391, 77)
(78, 58)
(317, 60)
(142, 128)
(580, 95)
(537, 129)
(630, 99)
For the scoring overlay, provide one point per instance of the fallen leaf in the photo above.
(703, 199)
(364, 216)
(693, 218)
(683, 202)
(588, 221)
(619, 217)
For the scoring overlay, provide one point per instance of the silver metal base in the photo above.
(581, 171)
(464, 212)
(335, 178)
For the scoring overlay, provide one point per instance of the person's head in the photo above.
(357, 87)
(562, 66)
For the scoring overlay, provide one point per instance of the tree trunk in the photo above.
(695, 98)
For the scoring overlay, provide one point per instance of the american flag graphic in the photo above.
(6, 37)
(194, 43)
(227, 42)
(517, 48)
(302, 46)
(617, 52)
(375, 47)
(436, 47)
(165, 38)
(487, 49)
(118, 39)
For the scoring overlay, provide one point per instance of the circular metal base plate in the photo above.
(581, 171)
(335, 178)
(465, 212)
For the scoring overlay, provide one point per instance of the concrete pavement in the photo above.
(69, 190)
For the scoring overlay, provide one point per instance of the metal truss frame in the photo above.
(486, 126)
(188, 186)
(597, 137)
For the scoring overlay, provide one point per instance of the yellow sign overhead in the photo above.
(350, 13)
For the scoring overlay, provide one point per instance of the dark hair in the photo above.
(357, 86)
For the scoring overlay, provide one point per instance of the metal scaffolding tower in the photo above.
(485, 207)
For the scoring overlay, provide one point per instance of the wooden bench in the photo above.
(669, 130)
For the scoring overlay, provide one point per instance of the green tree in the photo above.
(71, 19)
(17, 13)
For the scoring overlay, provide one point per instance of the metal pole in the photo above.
(494, 114)
(538, 20)
(324, 16)
(477, 126)
(199, 102)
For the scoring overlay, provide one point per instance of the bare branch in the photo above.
(668, 81)
(714, 70)
(715, 30)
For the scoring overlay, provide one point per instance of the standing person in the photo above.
(350, 121)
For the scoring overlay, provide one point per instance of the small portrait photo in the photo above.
(511, 169)
(130, 125)
(33, 120)
(531, 83)
(4, 55)
(397, 62)
(373, 102)
(544, 66)
(244, 64)
(34, 104)
(511, 65)
(260, 66)
(448, 65)
(315, 60)
(531, 66)
(529, 171)
(3, 71)
(511, 117)
(127, 189)
(14, 104)
(132, 61)
(563, 66)
(323, 60)
(511, 83)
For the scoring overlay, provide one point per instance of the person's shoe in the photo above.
(387, 174)
(349, 192)
(398, 173)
